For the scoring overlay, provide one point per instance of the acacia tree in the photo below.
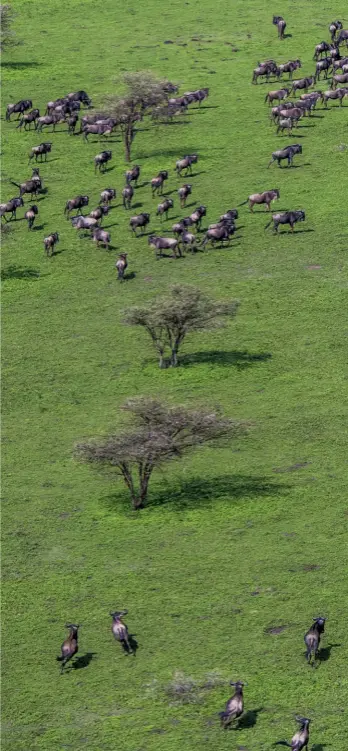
(144, 91)
(7, 37)
(169, 319)
(158, 434)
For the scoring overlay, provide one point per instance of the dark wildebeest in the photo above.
(80, 96)
(197, 216)
(71, 123)
(164, 243)
(220, 233)
(186, 164)
(178, 228)
(99, 213)
(312, 95)
(334, 27)
(121, 265)
(300, 740)
(46, 120)
(49, 243)
(28, 119)
(187, 239)
(279, 22)
(312, 638)
(322, 66)
(287, 153)
(132, 175)
(141, 221)
(265, 69)
(289, 67)
(302, 84)
(184, 192)
(10, 208)
(164, 207)
(70, 646)
(29, 186)
(42, 150)
(55, 103)
(235, 705)
(30, 215)
(342, 37)
(98, 129)
(127, 195)
(101, 236)
(229, 215)
(339, 79)
(75, 204)
(286, 123)
(278, 94)
(320, 49)
(119, 629)
(18, 108)
(287, 217)
(158, 182)
(100, 161)
(107, 195)
(334, 94)
(266, 197)
(275, 111)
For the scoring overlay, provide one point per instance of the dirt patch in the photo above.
(276, 629)
(313, 268)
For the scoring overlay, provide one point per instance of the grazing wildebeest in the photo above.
(18, 108)
(119, 629)
(42, 150)
(302, 84)
(333, 94)
(84, 222)
(141, 221)
(164, 207)
(312, 638)
(99, 213)
(289, 67)
(186, 164)
(320, 49)
(30, 215)
(127, 195)
(287, 217)
(158, 182)
(334, 27)
(70, 646)
(31, 186)
(197, 216)
(286, 123)
(339, 79)
(220, 233)
(107, 195)
(164, 243)
(300, 740)
(75, 204)
(279, 22)
(235, 705)
(71, 123)
(121, 265)
(287, 153)
(11, 207)
(342, 37)
(322, 66)
(184, 192)
(132, 175)
(101, 160)
(28, 119)
(50, 242)
(278, 94)
(100, 236)
(266, 197)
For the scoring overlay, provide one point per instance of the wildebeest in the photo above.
(119, 629)
(164, 243)
(101, 236)
(133, 174)
(28, 119)
(127, 195)
(187, 239)
(229, 216)
(342, 37)
(75, 204)
(266, 197)
(84, 222)
(285, 123)
(220, 233)
(99, 213)
(279, 22)
(121, 265)
(22, 106)
(197, 216)
(338, 78)
(140, 220)
(186, 164)
(302, 84)
(334, 94)
(49, 242)
(275, 111)
(80, 96)
(46, 120)
(312, 638)
(164, 207)
(100, 160)
(71, 123)
(312, 95)
(235, 705)
(320, 48)
(178, 228)
(289, 67)
(97, 129)
(158, 182)
(184, 192)
(10, 208)
(70, 646)
(287, 153)
(107, 195)
(31, 186)
(322, 66)
(42, 150)
(55, 103)
(265, 69)
(30, 215)
(278, 94)
(307, 105)
(334, 27)
(287, 217)
(300, 740)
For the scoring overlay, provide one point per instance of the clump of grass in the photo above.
(182, 689)
(213, 680)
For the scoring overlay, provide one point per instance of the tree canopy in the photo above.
(7, 36)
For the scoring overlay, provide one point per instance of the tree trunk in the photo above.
(127, 147)
(137, 502)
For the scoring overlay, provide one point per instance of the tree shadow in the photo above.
(325, 652)
(241, 360)
(20, 65)
(17, 272)
(169, 152)
(83, 661)
(249, 719)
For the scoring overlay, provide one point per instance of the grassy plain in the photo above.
(234, 542)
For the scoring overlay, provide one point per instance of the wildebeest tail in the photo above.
(266, 98)
(244, 202)
(16, 184)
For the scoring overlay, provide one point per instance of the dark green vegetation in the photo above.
(233, 544)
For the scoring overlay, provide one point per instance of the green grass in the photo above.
(233, 542)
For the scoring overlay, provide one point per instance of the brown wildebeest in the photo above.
(127, 195)
(278, 94)
(267, 68)
(312, 638)
(107, 195)
(197, 216)
(30, 215)
(100, 161)
(334, 27)
(75, 204)
(339, 79)
(221, 233)
(28, 119)
(71, 123)
(42, 150)
(235, 705)
(70, 646)
(10, 208)
(164, 243)
(164, 207)
(186, 164)
(334, 94)
(342, 37)
(121, 265)
(320, 49)
(279, 22)
(158, 182)
(119, 629)
(302, 84)
(266, 197)
(312, 95)
(184, 192)
(289, 67)
(101, 236)
(322, 66)
(287, 153)
(22, 106)
(99, 213)
(139, 220)
(31, 186)
(49, 242)
(299, 741)
(188, 240)
(132, 175)
(286, 217)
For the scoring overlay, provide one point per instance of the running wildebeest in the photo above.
(334, 27)
(289, 67)
(42, 150)
(197, 216)
(287, 153)
(164, 243)
(286, 217)
(30, 215)
(22, 106)
(28, 119)
(100, 161)
(75, 204)
(164, 207)
(99, 213)
(10, 207)
(235, 706)
(300, 740)
(84, 222)
(119, 629)
(279, 22)
(140, 220)
(127, 195)
(302, 84)
(278, 94)
(286, 123)
(70, 646)
(158, 182)
(312, 638)
(220, 233)
(333, 94)
(53, 104)
(49, 242)
(178, 228)
(31, 186)
(188, 240)
(229, 216)
(266, 197)
(342, 37)
(186, 164)
(101, 236)
(107, 195)
(184, 192)
(339, 79)
(121, 265)
(322, 66)
(132, 175)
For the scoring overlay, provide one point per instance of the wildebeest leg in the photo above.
(292, 227)
(251, 204)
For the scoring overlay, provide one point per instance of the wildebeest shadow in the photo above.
(296, 232)
(39, 227)
(130, 276)
(239, 359)
(133, 644)
(287, 36)
(137, 205)
(57, 252)
(83, 661)
(299, 166)
(324, 653)
(249, 719)
(108, 169)
(17, 272)
(20, 65)
(319, 746)
(306, 126)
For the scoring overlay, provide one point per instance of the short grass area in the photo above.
(240, 548)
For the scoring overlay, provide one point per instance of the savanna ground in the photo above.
(234, 543)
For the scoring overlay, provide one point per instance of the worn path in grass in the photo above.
(234, 543)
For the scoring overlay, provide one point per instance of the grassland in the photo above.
(234, 542)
